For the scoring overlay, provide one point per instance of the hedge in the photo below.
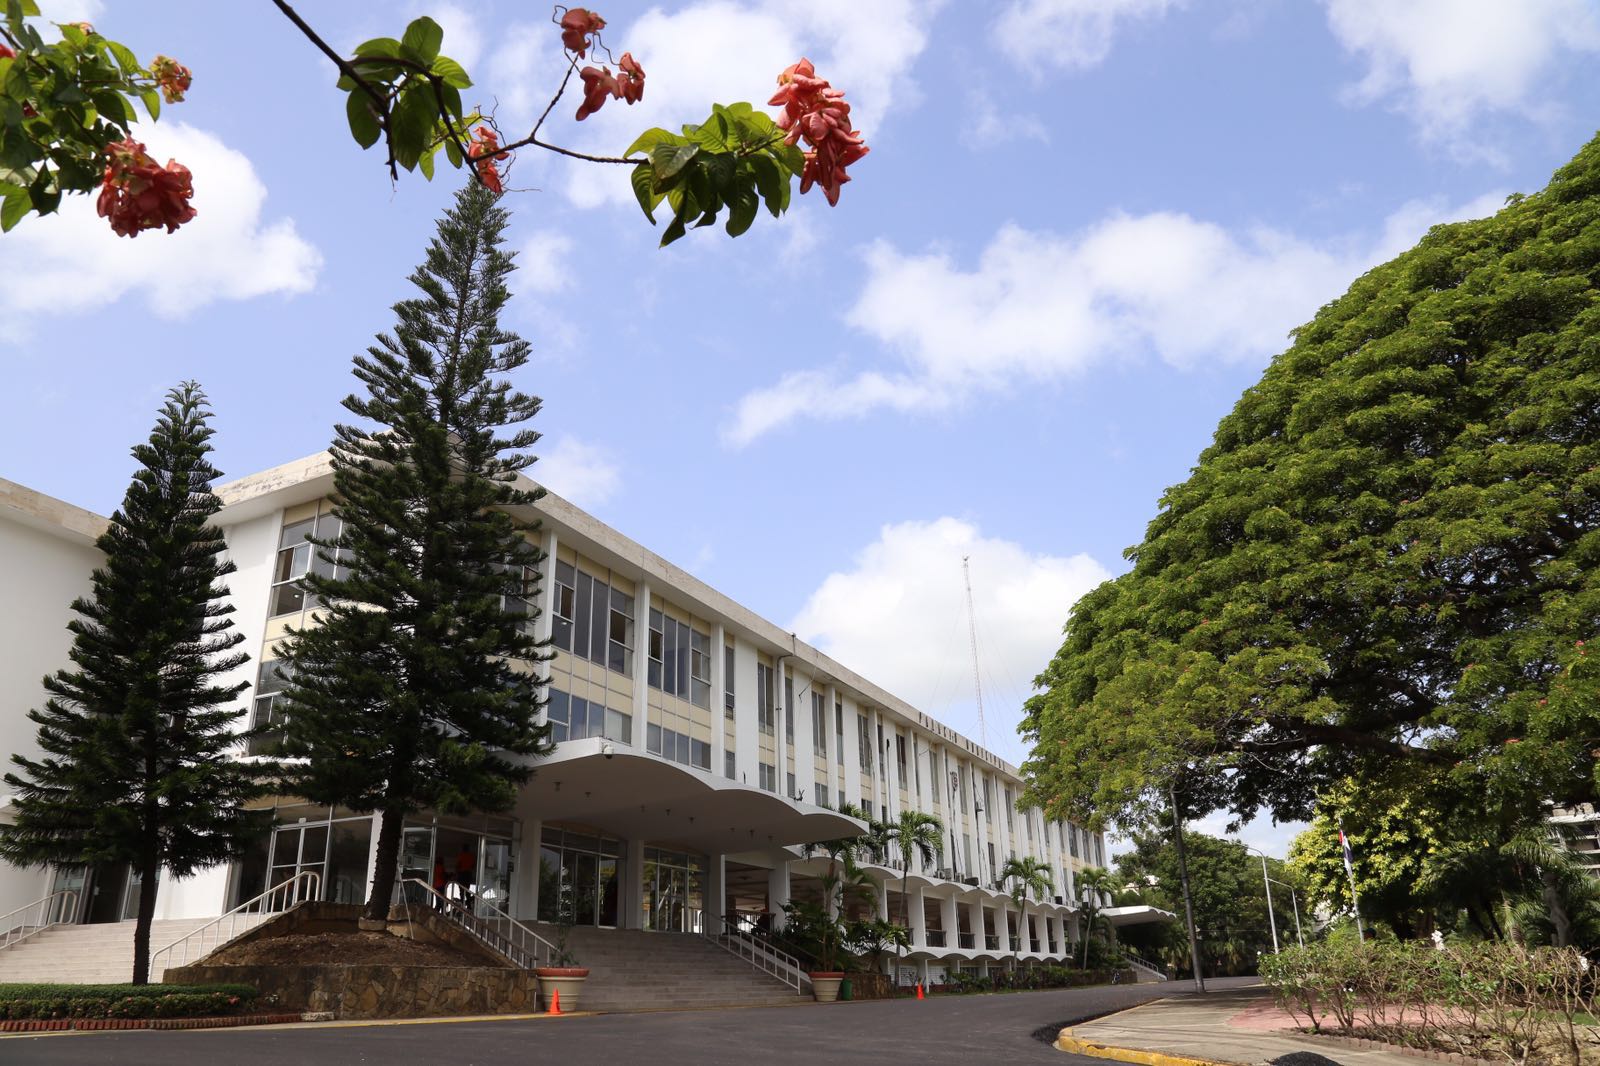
(28, 1001)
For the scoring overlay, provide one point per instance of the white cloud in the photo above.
(70, 11)
(898, 616)
(71, 261)
(1261, 834)
(542, 263)
(989, 126)
(1447, 63)
(1039, 306)
(1072, 34)
(714, 51)
(577, 471)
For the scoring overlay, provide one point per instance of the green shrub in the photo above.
(35, 1001)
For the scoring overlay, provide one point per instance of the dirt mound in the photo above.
(343, 949)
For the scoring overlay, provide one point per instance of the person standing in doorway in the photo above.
(466, 866)
(440, 881)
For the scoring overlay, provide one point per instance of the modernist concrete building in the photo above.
(699, 746)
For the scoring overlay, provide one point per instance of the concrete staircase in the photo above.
(634, 970)
(88, 954)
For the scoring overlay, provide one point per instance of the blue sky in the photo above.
(1084, 228)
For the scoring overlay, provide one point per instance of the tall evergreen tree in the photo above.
(137, 734)
(406, 695)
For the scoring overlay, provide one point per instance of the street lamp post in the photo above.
(1294, 901)
(1272, 918)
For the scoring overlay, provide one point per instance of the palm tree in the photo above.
(1093, 882)
(915, 834)
(1027, 875)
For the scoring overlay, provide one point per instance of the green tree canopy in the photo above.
(413, 689)
(139, 733)
(1386, 556)
(1230, 901)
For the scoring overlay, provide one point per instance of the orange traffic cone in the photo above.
(919, 991)
(555, 1002)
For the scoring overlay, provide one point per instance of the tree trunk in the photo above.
(1560, 921)
(149, 872)
(387, 862)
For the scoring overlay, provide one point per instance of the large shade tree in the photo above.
(413, 689)
(1386, 557)
(137, 737)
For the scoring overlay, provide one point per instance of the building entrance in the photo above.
(674, 891)
(578, 877)
(108, 892)
(466, 864)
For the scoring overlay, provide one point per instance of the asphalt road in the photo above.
(948, 1029)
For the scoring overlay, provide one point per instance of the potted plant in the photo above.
(563, 975)
(812, 924)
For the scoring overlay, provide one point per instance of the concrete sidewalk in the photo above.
(1240, 1026)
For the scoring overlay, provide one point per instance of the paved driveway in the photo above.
(968, 1030)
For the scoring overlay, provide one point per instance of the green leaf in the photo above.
(363, 123)
(73, 35)
(670, 159)
(452, 99)
(643, 179)
(674, 230)
(379, 46)
(412, 122)
(647, 141)
(452, 153)
(28, 8)
(770, 181)
(742, 207)
(69, 94)
(16, 204)
(425, 162)
(124, 57)
(711, 135)
(423, 37)
(152, 102)
(450, 72)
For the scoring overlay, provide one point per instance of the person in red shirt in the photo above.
(466, 866)
(439, 882)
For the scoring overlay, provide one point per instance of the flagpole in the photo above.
(1349, 869)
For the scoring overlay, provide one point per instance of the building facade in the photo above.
(699, 749)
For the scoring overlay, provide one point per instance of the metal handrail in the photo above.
(1144, 964)
(58, 907)
(303, 886)
(523, 949)
(763, 956)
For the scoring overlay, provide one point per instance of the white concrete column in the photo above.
(746, 730)
(716, 891)
(778, 892)
(918, 921)
(950, 918)
(631, 898)
(891, 767)
(780, 743)
(545, 603)
(835, 769)
(718, 705)
(525, 883)
(852, 753)
(805, 760)
(641, 666)
(1002, 929)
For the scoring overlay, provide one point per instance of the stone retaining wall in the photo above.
(376, 991)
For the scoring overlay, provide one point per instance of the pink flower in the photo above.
(137, 195)
(630, 79)
(599, 85)
(6, 52)
(817, 113)
(485, 149)
(577, 26)
(172, 77)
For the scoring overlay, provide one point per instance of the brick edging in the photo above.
(1363, 1043)
(59, 1025)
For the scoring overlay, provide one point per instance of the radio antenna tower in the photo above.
(972, 633)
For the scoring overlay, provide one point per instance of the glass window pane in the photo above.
(580, 624)
(653, 739)
(296, 533)
(598, 624)
(289, 598)
(556, 710)
(578, 721)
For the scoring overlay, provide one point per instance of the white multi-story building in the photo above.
(699, 746)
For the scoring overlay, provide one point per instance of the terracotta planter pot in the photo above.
(825, 985)
(567, 980)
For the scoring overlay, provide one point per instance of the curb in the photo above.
(1078, 1046)
(62, 1025)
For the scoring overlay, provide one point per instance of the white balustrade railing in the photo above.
(762, 955)
(498, 930)
(1140, 963)
(33, 918)
(303, 886)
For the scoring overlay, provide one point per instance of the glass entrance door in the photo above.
(298, 849)
(578, 878)
(112, 893)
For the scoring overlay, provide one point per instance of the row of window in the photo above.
(297, 556)
(574, 718)
(593, 621)
(679, 747)
(680, 659)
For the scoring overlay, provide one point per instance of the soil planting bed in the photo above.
(341, 949)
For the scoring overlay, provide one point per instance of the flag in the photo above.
(1344, 843)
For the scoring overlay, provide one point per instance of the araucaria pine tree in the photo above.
(138, 734)
(413, 690)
